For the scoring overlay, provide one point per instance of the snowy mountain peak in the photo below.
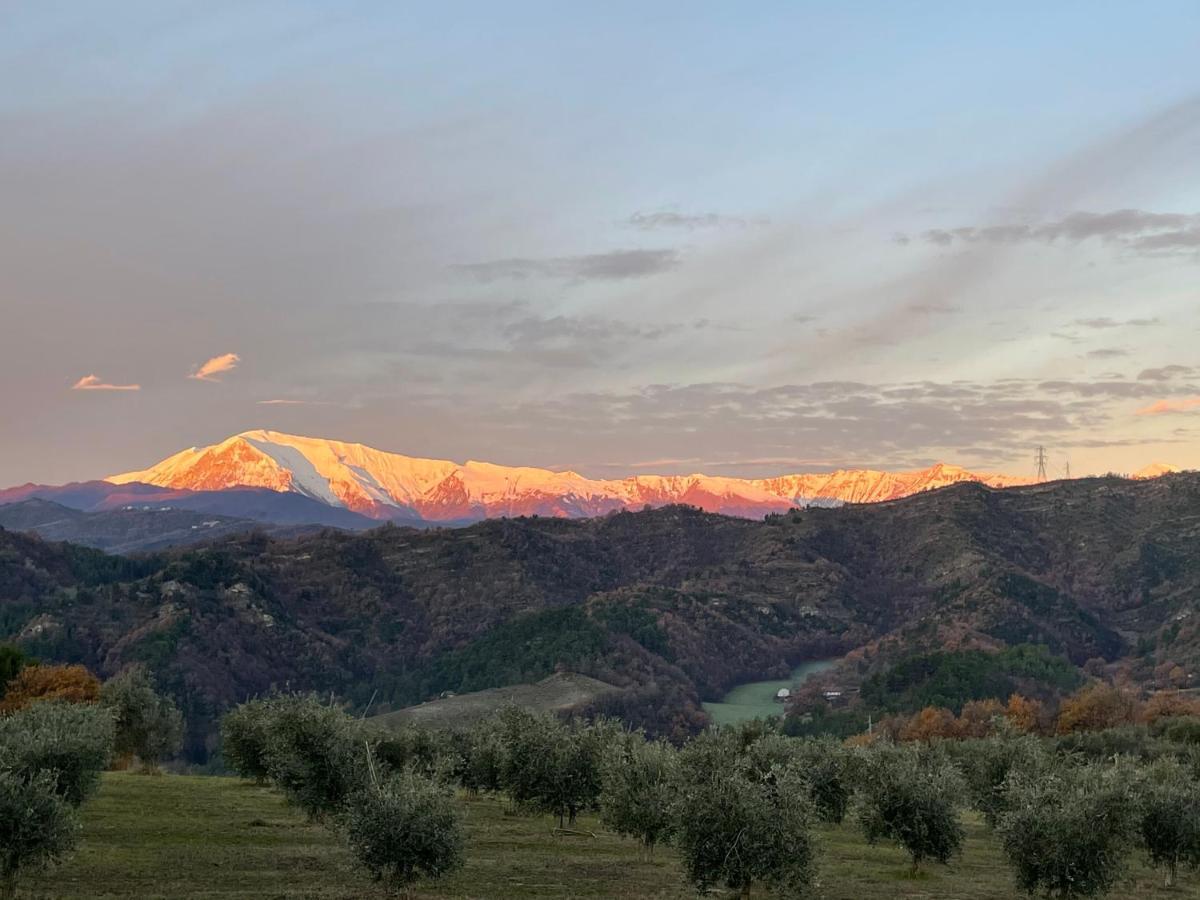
(386, 485)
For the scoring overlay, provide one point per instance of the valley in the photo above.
(759, 699)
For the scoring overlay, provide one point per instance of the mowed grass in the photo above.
(183, 836)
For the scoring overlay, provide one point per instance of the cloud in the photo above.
(1107, 353)
(656, 221)
(1164, 407)
(209, 370)
(1164, 373)
(613, 266)
(1133, 229)
(1102, 322)
(282, 402)
(93, 383)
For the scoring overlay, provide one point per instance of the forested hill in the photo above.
(673, 604)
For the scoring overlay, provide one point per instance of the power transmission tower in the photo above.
(1040, 459)
(1067, 470)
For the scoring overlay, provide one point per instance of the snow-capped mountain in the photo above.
(385, 485)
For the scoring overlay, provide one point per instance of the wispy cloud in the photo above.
(218, 365)
(93, 383)
(668, 220)
(1133, 229)
(613, 266)
(1103, 322)
(1164, 407)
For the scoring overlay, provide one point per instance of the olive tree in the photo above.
(149, 724)
(912, 796)
(1170, 818)
(37, 826)
(245, 738)
(404, 827)
(987, 763)
(637, 789)
(736, 827)
(69, 742)
(828, 769)
(315, 753)
(1067, 831)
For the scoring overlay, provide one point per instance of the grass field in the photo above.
(756, 699)
(184, 836)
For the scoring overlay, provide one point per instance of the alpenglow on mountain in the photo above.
(384, 485)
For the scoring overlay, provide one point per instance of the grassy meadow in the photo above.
(195, 836)
(756, 699)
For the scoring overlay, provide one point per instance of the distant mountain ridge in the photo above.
(385, 486)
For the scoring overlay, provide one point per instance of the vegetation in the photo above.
(912, 796)
(71, 743)
(1068, 833)
(1170, 818)
(37, 826)
(149, 725)
(404, 828)
(638, 789)
(38, 683)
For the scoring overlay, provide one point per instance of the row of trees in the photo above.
(59, 729)
(739, 804)
(1096, 707)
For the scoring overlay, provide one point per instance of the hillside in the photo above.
(384, 485)
(675, 605)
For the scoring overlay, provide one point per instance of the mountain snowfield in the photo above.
(385, 485)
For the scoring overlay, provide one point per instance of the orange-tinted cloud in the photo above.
(1161, 407)
(93, 383)
(209, 370)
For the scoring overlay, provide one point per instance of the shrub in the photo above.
(245, 736)
(36, 825)
(149, 724)
(404, 828)
(637, 790)
(315, 754)
(912, 796)
(34, 684)
(736, 830)
(1170, 818)
(71, 743)
(427, 752)
(1169, 704)
(1067, 832)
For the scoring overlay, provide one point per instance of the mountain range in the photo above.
(388, 486)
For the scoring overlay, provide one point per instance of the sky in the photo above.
(620, 238)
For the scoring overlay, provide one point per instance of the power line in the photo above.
(1040, 459)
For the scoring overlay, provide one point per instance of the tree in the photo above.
(827, 767)
(12, 661)
(34, 684)
(37, 826)
(245, 736)
(1170, 818)
(912, 796)
(1067, 832)
(149, 724)
(736, 829)
(986, 764)
(1024, 714)
(1169, 704)
(315, 753)
(549, 766)
(404, 828)
(931, 722)
(979, 718)
(71, 743)
(638, 781)
(1094, 708)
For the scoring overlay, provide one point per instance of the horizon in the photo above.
(691, 239)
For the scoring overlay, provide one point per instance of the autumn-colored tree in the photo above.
(978, 718)
(931, 722)
(34, 684)
(1167, 704)
(1096, 707)
(1024, 714)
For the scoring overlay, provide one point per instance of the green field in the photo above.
(192, 836)
(756, 699)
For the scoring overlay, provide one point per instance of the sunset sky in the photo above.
(740, 238)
